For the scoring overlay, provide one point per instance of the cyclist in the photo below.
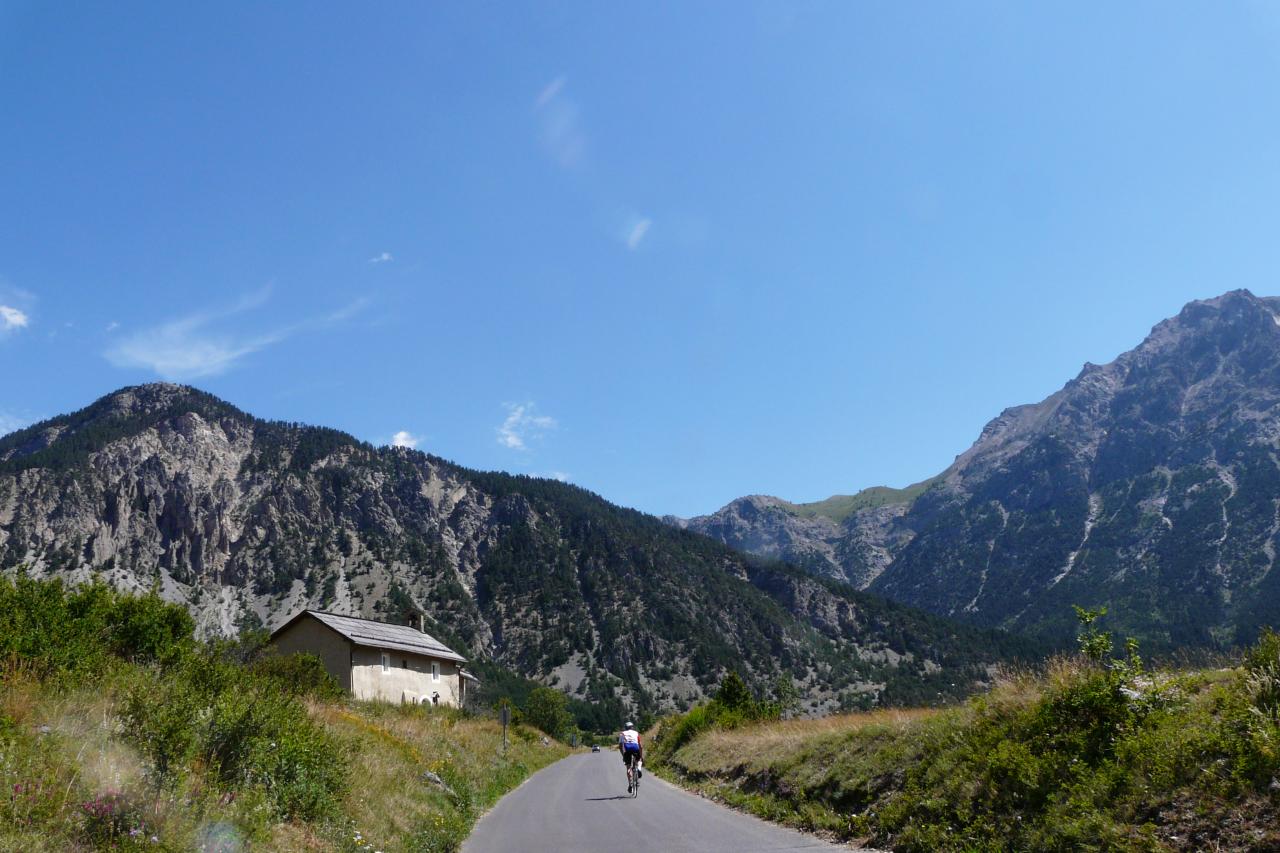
(632, 751)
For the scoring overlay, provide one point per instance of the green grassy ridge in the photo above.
(1082, 756)
(840, 507)
(119, 731)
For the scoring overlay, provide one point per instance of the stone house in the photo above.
(374, 660)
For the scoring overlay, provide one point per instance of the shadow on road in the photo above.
(602, 799)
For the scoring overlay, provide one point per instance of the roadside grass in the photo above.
(422, 777)
(64, 753)
(118, 731)
(1080, 755)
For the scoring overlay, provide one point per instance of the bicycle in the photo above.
(634, 772)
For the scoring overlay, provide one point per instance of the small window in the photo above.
(386, 662)
(404, 663)
(435, 672)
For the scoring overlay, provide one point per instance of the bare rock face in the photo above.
(247, 521)
(1150, 485)
(854, 550)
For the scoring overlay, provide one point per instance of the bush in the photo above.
(733, 706)
(243, 727)
(298, 675)
(262, 738)
(548, 709)
(77, 633)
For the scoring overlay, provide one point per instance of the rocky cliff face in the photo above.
(854, 549)
(247, 521)
(1150, 485)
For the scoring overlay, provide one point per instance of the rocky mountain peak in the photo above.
(1149, 485)
(143, 399)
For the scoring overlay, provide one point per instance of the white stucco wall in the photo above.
(408, 679)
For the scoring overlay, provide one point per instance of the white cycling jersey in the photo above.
(630, 736)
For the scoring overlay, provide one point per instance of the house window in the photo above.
(435, 671)
(404, 663)
(386, 662)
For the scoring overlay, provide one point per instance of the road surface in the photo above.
(580, 805)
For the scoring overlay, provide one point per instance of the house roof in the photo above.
(379, 635)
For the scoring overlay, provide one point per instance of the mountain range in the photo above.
(1149, 486)
(247, 521)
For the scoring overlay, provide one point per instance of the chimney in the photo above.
(422, 622)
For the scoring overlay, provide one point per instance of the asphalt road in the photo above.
(581, 805)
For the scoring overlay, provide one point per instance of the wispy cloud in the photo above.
(346, 312)
(12, 423)
(382, 258)
(560, 124)
(635, 234)
(523, 425)
(404, 438)
(557, 475)
(549, 91)
(12, 319)
(196, 346)
(561, 130)
(112, 326)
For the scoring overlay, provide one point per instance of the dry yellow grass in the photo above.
(719, 750)
(391, 799)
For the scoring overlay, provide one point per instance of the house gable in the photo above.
(373, 660)
(311, 636)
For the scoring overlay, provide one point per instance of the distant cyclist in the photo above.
(632, 751)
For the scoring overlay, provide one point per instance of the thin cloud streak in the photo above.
(188, 348)
(522, 425)
(560, 124)
(383, 258)
(637, 232)
(549, 91)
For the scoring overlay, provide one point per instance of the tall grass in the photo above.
(1085, 754)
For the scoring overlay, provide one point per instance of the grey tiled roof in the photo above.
(378, 635)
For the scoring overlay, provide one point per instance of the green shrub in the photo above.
(265, 739)
(548, 709)
(733, 706)
(243, 727)
(77, 633)
(298, 675)
(160, 714)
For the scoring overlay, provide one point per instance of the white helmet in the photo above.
(630, 724)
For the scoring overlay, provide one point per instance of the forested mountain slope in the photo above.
(246, 521)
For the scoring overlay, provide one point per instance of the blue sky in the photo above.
(673, 252)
